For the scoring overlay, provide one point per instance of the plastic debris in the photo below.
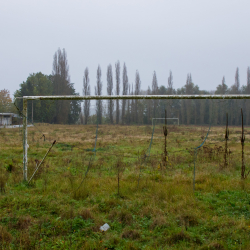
(105, 227)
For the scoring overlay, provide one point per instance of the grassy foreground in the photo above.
(156, 207)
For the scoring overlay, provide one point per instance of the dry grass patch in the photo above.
(131, 234)
(24, 222)
(159, 222)
(86, 214)
(5, 236)
(213, 246)
(177, 237)
(123, 216)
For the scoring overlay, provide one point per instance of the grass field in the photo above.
(76, 191)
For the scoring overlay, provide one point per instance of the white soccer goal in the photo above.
(128, 97)
(164, 120)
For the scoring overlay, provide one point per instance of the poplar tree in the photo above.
(124, 91)
(149, 107)
(117, 77)
(235, 89)
(248, 80)
(222, 90)
(170, 91)
(132, 112)
(248, 101)
(86, 92)
(137, 92)
(110, 92)
(129, 106)
(98, 91)
(170, 83)
(155, 92)
(61, 85)
(237, 82)
(188, 102)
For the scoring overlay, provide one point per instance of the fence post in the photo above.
(25, 138)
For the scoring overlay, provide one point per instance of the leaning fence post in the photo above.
(41, 161)
(25, 139)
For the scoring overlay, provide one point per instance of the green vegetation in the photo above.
(63, 209)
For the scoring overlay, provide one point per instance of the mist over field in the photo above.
(124, 173)
(208, 39)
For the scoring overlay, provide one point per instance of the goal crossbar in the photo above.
(107, 97)
(115, 97)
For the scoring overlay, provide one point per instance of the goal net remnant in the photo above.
(127, 97)
(164, 120)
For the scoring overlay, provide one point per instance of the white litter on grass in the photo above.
(105, 227)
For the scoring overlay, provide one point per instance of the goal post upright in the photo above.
(107, 97)
(25, 139)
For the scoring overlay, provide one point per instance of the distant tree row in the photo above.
(188, 111)
(128, 111)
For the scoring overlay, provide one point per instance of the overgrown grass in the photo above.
(63, 208)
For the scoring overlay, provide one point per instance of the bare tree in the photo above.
(117, 77)
(110, 92)
(86, 92)
(137, 92)
(125, 90)
(61, 85)
(155, 92)
(98, 91)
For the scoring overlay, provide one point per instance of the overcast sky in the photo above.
(207, 38)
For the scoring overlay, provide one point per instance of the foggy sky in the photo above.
(206, 38)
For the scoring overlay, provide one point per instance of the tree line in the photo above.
(142, 111)
(127, 111)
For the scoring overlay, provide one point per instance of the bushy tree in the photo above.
(37, 84)
(5, 101)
